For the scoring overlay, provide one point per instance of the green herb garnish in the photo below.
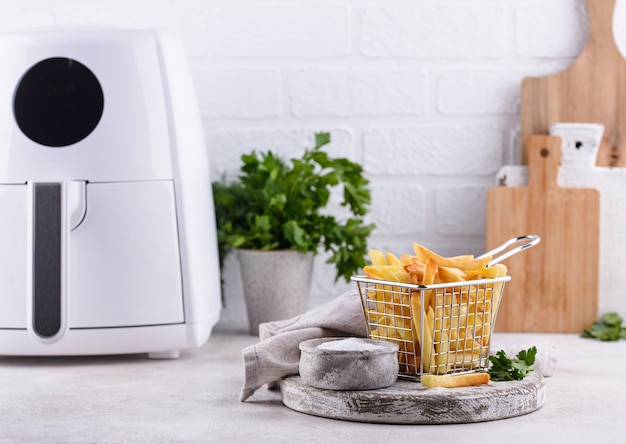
(504, 368)
(609, 328)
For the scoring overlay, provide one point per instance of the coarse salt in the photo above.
(350, 344)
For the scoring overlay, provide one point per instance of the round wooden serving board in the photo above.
(407, 402)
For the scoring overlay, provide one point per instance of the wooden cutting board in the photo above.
(554, 286)
(592, 89)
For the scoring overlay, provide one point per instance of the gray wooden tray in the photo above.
(407, 402)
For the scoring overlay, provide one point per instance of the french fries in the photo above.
(438, 330)
(454, 381)
(391, 316)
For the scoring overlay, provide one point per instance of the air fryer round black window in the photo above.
(58, 102)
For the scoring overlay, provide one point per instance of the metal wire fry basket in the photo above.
(440, 328)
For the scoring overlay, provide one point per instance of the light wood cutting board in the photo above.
(592, 89)
(554, 286)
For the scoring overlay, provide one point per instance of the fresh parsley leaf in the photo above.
(609, 328)
(504, 368)
(612, 319)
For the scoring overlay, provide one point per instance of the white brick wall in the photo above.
(291, 31)
(356, 92)
(433, 30)
(424, 93)
(238, 92)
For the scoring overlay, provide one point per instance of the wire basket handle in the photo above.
(532, 238)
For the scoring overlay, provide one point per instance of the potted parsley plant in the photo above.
(273, 216)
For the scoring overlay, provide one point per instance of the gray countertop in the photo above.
(194, 399)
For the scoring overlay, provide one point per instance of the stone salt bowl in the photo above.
(348, 363)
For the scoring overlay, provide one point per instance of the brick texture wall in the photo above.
(424, 93)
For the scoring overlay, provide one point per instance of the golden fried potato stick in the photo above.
(483, 273)
(426, 343)
(406, 259)
(453, 381)
(394, 273)
(377, 257)
(430, 272)
(423, 254)
(444, 363)
(391, 259)
(428, 338)
(416, 272)
(491, 306)
(447, 274)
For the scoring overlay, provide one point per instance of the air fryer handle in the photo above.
(47, 258)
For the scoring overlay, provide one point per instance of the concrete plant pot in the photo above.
(276, 284)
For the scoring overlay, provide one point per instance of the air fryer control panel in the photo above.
(58, 102)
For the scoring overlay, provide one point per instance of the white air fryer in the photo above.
(107, 230)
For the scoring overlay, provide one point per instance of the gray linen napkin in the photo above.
(278, 355)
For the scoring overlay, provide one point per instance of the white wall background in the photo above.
(424, 93)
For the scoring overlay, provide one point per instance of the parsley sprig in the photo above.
(504, 368)
(609, 328)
